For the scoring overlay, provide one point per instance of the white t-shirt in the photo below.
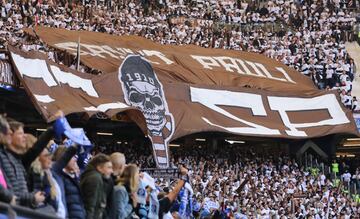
(346, 177)
(211, 205)
(329, 73)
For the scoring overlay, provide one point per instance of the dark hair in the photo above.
(99, 159)
(15, 125)
(3, 125)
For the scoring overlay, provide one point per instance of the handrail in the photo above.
(272, 27)
(14, 211)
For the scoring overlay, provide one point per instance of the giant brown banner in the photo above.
(186, 64)
(167, 107)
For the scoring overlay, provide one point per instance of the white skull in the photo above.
(149, 100)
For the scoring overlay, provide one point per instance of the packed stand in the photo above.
(238, 182)
(62, 174)
(56, 174)
(309, 36)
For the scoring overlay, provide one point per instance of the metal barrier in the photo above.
(269, 27)
(16, 212)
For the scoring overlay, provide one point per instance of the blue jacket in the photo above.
(122, 208)
(69, 186)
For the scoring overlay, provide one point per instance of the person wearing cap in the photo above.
(92, 186)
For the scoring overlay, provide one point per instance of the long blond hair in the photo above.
(128, 177)
(37, 168)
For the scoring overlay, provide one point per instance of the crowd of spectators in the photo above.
(236, 182)
(224, 182)
(58, 176)
(307, 35)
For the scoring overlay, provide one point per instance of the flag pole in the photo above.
(78, 55)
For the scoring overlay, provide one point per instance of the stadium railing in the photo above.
(12, 212)
(269, 27)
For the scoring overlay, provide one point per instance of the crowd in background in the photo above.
(225, 182)
(307, 35)
(238, 182)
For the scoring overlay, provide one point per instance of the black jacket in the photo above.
(15, 165)
(38, 182)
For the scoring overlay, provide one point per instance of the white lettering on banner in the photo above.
(72, 46)
(116, 53)
(267, 73)
(212, 98)
(43, 98)
(242, 63)
(328, 102)
(206, 61)
(285, 74)
(74, 81)
(33, 68)
(36, 68)
(159, 55)
(230, 64)
(258, 73)
(107, 106)
(98, 51)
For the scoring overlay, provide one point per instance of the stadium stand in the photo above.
(234, 182)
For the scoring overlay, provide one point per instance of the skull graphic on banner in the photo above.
(143, 90)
